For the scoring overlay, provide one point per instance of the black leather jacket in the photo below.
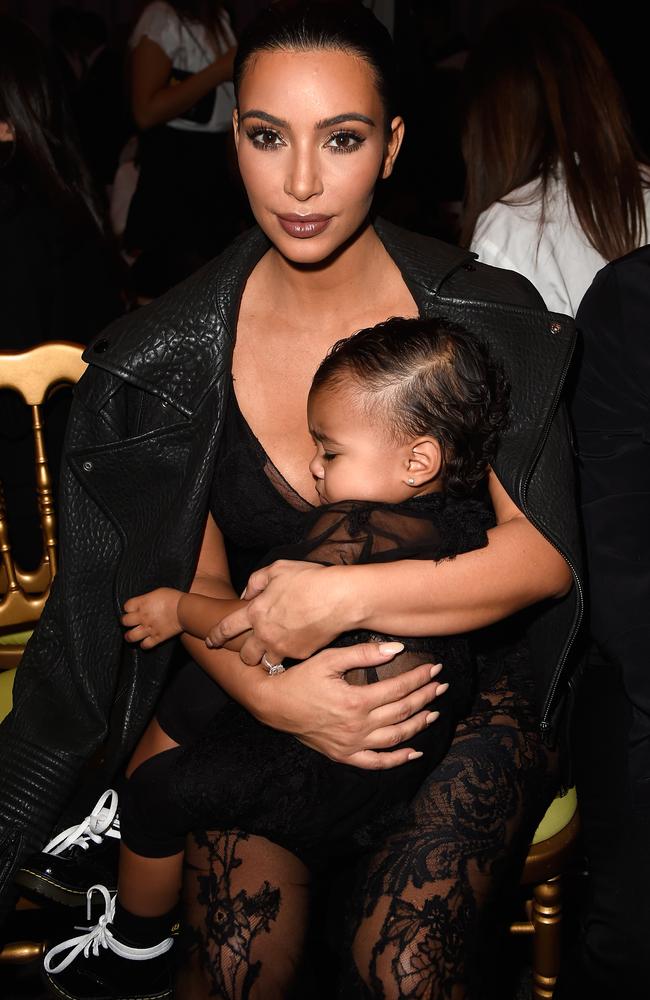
(139, 456)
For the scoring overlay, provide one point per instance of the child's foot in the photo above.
(81, 856)
(98, 965)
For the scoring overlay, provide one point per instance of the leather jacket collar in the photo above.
(192, 358)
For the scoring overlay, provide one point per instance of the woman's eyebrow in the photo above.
(265, 116)
(349, 116)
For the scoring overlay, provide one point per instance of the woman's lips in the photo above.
(304, 226)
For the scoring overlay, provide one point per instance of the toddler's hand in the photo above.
(152, 618)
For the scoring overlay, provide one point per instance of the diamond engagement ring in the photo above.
(273, 668)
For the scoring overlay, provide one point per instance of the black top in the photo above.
(273, 515)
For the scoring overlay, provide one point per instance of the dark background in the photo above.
(431, 37)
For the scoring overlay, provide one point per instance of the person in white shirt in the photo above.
(184, 210)
(555, 188)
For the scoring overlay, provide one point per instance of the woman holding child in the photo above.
(315, 130)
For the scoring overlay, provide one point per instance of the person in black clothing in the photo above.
(59, 276)
(612, 735)
(405, 417)
(102, 112)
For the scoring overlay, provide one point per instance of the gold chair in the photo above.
(552, 849)
(33, 374)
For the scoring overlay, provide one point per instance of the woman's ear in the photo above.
(423, 462)
(392, 146)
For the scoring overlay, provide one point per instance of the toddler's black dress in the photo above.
(238, 773)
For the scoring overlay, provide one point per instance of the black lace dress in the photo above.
(246, 775)
(422, 913)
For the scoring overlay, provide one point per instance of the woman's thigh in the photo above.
(245, 912)
(423, 923)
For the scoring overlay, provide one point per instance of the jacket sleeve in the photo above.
(611, 413)
(60, 710)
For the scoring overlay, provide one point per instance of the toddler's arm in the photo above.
(163, 613)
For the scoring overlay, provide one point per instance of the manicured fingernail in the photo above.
(435, 669)
(431, 717)
(390, 648)
(243, 595)
(414, 754)
(208, 643)
(441, 688)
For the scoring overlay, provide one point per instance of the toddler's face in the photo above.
(354, 459)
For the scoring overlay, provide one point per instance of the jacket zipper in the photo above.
(545, 725)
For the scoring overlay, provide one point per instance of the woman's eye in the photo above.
(345, 142)
(265, 138)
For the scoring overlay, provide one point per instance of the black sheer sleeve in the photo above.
(431, 527)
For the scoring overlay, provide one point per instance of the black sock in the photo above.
(142, 932)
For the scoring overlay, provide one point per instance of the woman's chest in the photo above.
(271, 383)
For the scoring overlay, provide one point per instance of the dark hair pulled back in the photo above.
(427, 377)
(309, 25)
(44, 157)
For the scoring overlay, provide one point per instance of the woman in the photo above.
(184, 210)
(554, 187)
(59, 276)
(315, 130)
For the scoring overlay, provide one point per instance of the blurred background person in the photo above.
(59, 275)
(186, 207)
(554, 187)
(102, 112)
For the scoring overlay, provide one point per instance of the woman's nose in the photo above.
(304, 180)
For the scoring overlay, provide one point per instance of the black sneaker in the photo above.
(96, 965)
(81, 856)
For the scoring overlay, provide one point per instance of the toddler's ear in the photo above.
(423, 461)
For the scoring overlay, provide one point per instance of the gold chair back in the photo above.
(33, 375)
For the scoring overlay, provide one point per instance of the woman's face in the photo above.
(312, 143)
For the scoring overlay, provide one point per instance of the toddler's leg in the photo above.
(127, 953)
(153, 741)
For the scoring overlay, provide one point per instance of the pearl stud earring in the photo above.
(411, 481)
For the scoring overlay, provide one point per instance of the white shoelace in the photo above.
(102, 822)
(101, 936)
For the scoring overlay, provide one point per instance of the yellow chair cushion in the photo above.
(6, 687)
(15, 638)
(558, 815)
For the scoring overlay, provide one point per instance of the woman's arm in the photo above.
(346, 723)
(153, 100)
(296, 608)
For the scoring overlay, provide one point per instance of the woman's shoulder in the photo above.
(158, 21)
(176, 345)
(518, 212)
(441, 270)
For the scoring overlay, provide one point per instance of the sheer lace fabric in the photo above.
(417, 920)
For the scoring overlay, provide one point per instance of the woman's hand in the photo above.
(349, 724)
(152, 618)
(294, 609)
